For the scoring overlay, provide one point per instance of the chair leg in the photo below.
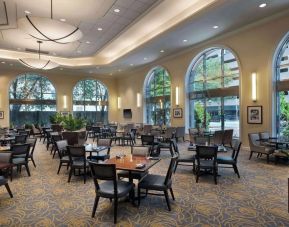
(95, 206)
(60, 164)
(70, 174)
(167, 200)
(84, 175)
(172, 193)
(27, 169)
(115, 209)
(8, 189)
(176, 166)
(251, 155)
(215, 175)
(236, 170)
(197, 175)
(138, 195)
(32, 159)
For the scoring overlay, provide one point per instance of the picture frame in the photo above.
(64, 113)
(254, 114)
(178, 113)
(1, 114)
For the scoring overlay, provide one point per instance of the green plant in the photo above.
(71, 123)
(56, 118)
(200, 116)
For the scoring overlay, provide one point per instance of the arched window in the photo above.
(90, 101)
(32, 100)
(282, 88)
(213, 91)
(158, 97)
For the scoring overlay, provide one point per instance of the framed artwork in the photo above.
(254, 115)
(1, 114)
(178, 113)
(64, 113)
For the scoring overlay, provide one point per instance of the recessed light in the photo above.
(216, 26)
(131, 64)
(87, 42)
(3, 62)
(185, 40)
(145, 59)
(162, 51)
(61, 69)
(99, 29)
(116, 10)
(27, 12)
(63, 19)
(262, 5)
(11, 64)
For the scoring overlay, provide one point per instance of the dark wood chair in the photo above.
(20, 139)
(4, 181)
(19, 156)
(61, 148)
(206, 157)
(103, 142)
(32, 142)
(232, 160)
(160, 183)
(111, 188)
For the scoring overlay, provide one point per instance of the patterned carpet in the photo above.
(258, 198)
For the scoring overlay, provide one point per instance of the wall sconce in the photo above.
(99, 102)
(254, 87)
(64, 101)
(161, 104)
(0, 100)
(119, 103)
(177, 96)
(138, 100)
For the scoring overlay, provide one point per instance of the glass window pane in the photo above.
(231, 114)
(214, 118)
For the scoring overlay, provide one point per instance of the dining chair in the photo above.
(19, 156)
(206, 157)
(20, 139)
(32, 142)
(232, 160)
(4, 181)
(77, 160)
(180, 133)
(109, 187)
(61, 148)
(153, 182)
(103, 142)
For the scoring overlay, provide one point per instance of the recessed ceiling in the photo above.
(159, 28)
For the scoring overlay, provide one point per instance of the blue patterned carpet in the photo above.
(258, 198)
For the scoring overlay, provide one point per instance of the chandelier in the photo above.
(38, 63)
(49, 29)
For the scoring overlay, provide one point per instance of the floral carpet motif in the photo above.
(258, 198)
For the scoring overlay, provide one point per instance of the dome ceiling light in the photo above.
(49, 29)
(37, 63)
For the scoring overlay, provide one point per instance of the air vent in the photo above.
(36, 51)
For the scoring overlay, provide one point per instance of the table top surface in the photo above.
(90, 148)
(4, 165)
(4, 148)
(130, 163)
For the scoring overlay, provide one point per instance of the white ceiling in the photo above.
(197, 27)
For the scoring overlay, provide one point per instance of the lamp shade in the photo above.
(36, 63)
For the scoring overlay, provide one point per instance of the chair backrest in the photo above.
(175, 146)
(104, 142)
(76, 151)
(218, 137)
(147, 139)
(236, 149)
(34, 129)
(228, 136)
(32, 142)
(253, 140)
(71, 137)
(170, 170)
(170, 132)
(264, 135)
(147, 129)
(206, 152)
(155, 132)
(20, 149)
(56, 138)
(180, 131)
(61, 147)
(201, 140)
(140, 150)
(20, 138)
(106, 172)
(96, 129)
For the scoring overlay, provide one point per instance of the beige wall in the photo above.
(254, 47)
(63, 83)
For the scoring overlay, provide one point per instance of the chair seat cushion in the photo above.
(154, 182)
(134, 174)
(106, 189)
(206, 164)
(65, 159)
(186, 158)
(3, 180)
(78, 162)
(225, 160)
(17, 161)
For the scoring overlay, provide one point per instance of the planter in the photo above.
(74, 137)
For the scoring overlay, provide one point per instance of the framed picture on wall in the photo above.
(1, 114)
(254, 115)
(178, 113)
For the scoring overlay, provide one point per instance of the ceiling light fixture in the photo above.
(63, 19)
(27, 12)
(116, 10)
(3, 62)
(216, 26)
(37, 63)
(145, 59)
(87, 42)
(162, 51)
(99, 29)
(262, 5)
(185, 40)
(48, 29)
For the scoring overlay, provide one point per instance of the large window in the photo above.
(158, 97)
(32, 100)
(213, 91)
(282, 88)
(90, 101)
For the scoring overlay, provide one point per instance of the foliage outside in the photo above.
(200, 116)
(284, 115)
